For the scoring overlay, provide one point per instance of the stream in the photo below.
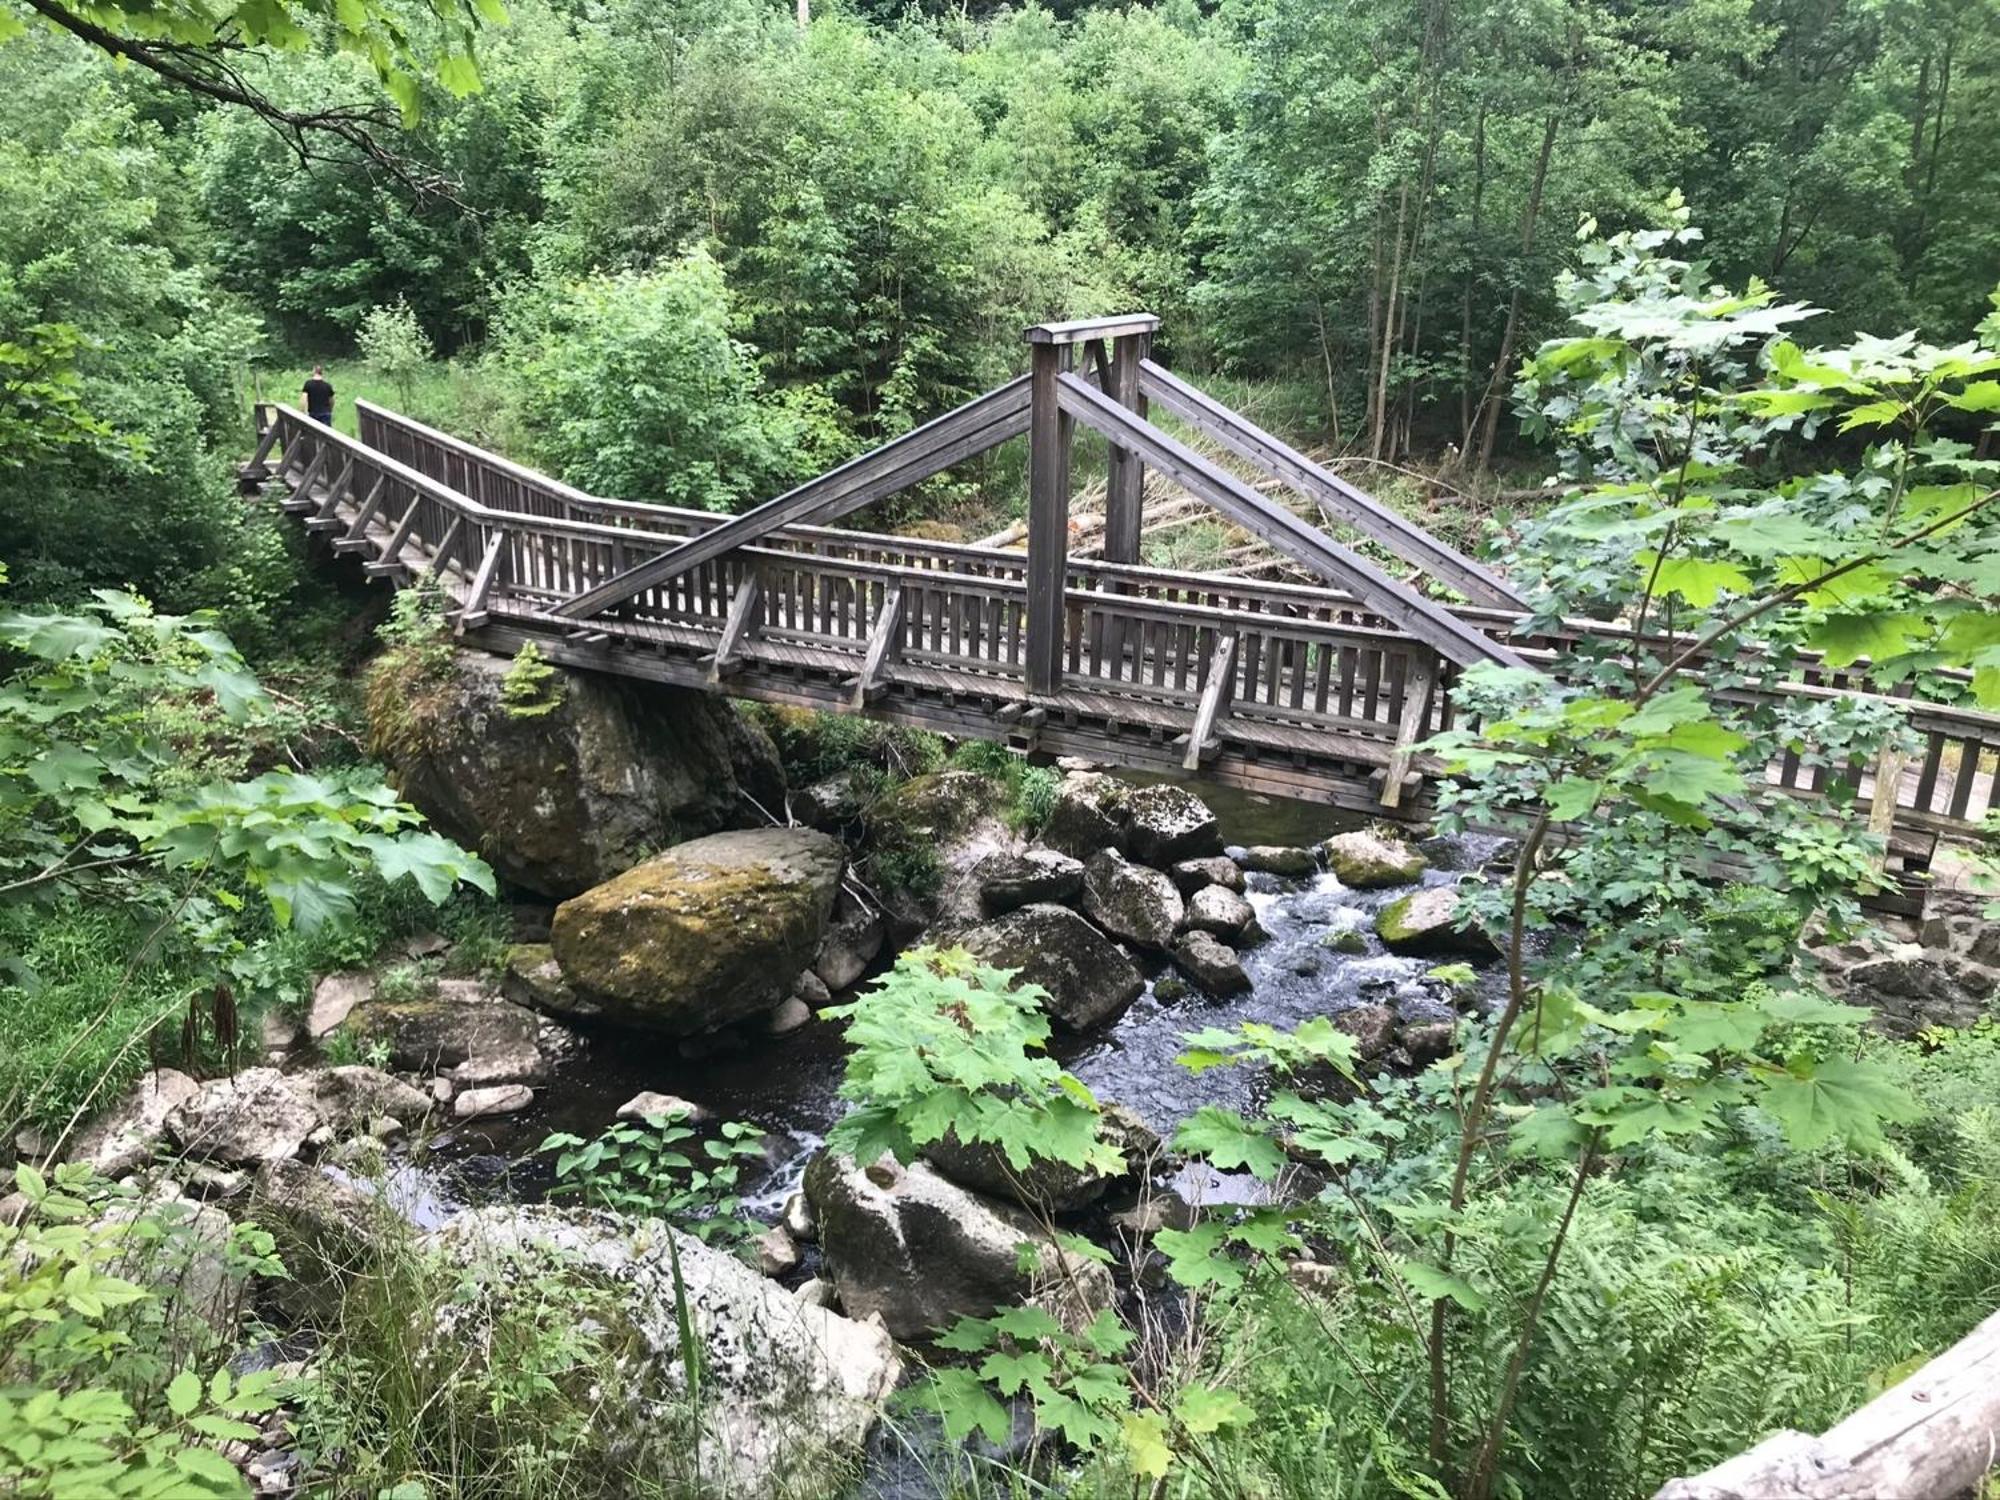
(788, 1085)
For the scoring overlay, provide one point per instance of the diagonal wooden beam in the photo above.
(1341, 501)
(974, 427)
(1215, 696)
(1429, 622)
(737, 627)
(883, 638)
(301, 495)
(475, 613)
(1417, 684)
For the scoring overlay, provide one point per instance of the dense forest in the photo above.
(1046, 1130)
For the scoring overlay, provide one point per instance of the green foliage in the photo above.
(394, 345)
(532, 689)
(634, 386)
(644, 1167)
(147, 879)
(409, 690)
(106, 1384)
(943, 1045)
(1031, 789)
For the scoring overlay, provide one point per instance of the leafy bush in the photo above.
(643, 1167)
(111, 1382)
(634, 386)
(394, 345)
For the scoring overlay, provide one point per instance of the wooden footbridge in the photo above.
(1318, 692)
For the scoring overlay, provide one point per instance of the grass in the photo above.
(455, 395)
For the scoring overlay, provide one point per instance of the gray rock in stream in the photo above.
(1365, 860)
(258, 1115)
(128, 1133)
(1088, 814)
(1088, 980)
(1131, 901)
(1190, 875)
(1048, 1187)
(921, 1252)
(1011, 880)
(565, 801)
(1221, 911)
(1212, 965)
(1425, 923)
(1167, 823)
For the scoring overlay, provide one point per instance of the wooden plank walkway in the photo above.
(1318, 692)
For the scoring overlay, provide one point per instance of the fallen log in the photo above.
(1933, 1437)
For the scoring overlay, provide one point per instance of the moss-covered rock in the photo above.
(1365, 860)
(1166, 823)
(461, 1021)
(1425, 923)
(712, 932)
(562, 801)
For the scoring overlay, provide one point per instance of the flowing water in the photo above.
(787, 1085)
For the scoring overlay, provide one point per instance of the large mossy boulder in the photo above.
(1365, 860)
(564, 800)
(712, 932)
(1045, 1185)
(1088, 980)
(907, 1244)
(1425, 923)
(788, 1390)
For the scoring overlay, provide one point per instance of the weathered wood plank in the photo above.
(743, 607)
(1351, 506)
(1215, 695)
(1931, 1437)
(1082, 330)
(1048, 519)
(1431, 623)
(883, 640)
(972, 428)
(1417, 683)
(1125, 479)
(474, 614)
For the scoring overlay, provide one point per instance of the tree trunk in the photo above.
(1496, 387)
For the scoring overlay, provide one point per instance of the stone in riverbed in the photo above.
(334, 998)
(1047, 1186)
(789, 1389)
(127, 1134)
(1219, 910)
(812, 989)
(776, 1254)
(1425, 923)
(1131, 901)
(521, 1063)
(461, 1020)
(1011, 880)
(1427, 1041)
(348, 1098)
(1088, 814)
(501, 1099)
(712, 932)
(1373, 1028)
(1166, 823)
(1088, 980)
(853, 938)
(1190, 875)
(788, 1017)
(1278, 859)
(1212, 965)
(258, 1115)
(1365, 860)
(533, 977)
(921, 1252)
(647, 1103)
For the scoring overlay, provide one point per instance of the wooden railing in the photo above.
(1303, 690)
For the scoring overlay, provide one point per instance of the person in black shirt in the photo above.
(319, 397)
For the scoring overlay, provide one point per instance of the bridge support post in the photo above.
(1126, 478)
(1049, 434)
